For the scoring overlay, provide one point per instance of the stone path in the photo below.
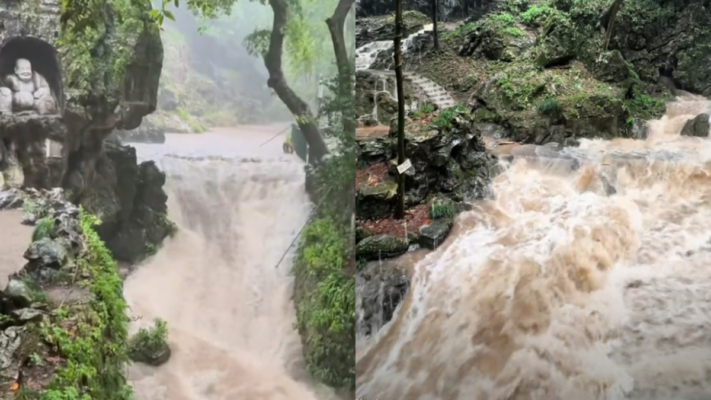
(14, 240)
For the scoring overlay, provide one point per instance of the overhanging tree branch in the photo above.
(277, 81)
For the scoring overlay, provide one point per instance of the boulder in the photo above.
(697, 126)
(377, 201)
(380, 247)
(382, 28)
(432, 235)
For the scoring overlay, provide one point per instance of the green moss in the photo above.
(92, 338)
(513, 31)
(326, 313)
(536, 15)
(642, 105)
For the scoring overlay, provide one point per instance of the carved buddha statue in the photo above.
(26, 90)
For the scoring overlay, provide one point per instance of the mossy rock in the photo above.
(376, 201)
(149, 346)
(154, 357)
(558, 44)
(381, 246)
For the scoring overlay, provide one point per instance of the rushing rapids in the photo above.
(227, 305)
(560, 289)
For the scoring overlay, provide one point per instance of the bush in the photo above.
(149, 345)
(550, 106)
(442, 210)
(43, 229)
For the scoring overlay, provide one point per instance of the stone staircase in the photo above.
(436, 93)
(365, 55)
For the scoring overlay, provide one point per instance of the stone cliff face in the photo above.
(104, 79)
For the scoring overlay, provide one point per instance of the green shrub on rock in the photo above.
(149, 345)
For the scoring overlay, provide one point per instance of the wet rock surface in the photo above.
(450, 160)
(435, 233)
(129, 199)
(383, 27)
(378, 247)
(376, 94)
(697, 126)
(381, 288)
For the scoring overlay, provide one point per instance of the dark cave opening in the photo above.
(42, 56)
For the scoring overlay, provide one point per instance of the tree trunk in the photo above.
(400, 209)
(611, 16)
(277, 81)
(434, 25)
(346, 71)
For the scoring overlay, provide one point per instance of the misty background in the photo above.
(210, 78)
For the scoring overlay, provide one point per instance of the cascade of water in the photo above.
(366, 54)
(561, 288)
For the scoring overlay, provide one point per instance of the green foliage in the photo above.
(257, 42)
(446, 117)
(642, 105)
(92, 339)
(92, 63)
(326, 315)
(501, 20)
(536, 15)
(423, 111)
(550, 106)
(323, 269)
(43, 229)
(427, 109)
(513, 31)
(38, 208)
(442, 210)
(148, 341)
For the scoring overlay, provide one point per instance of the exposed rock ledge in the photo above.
(64, 309)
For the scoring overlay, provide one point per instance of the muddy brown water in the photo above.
(228, 307)
(562, 291)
